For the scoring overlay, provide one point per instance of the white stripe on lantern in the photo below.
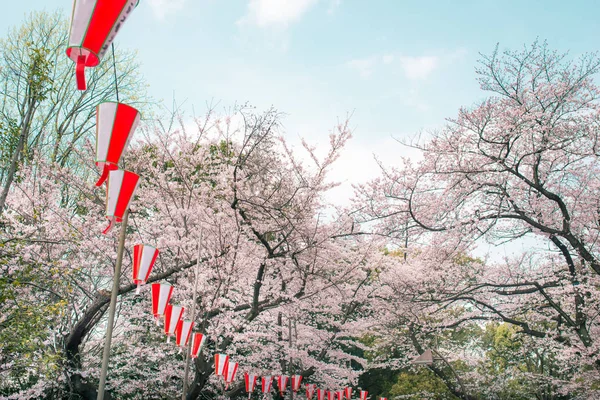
(194, 350)
(186, 330)
(267, 382)
(176, 313)
(147, 257)
(220, 361)
(230, 372)
(250, 383)
(310, 390)
(83, 9)
(163, 298)
(282, 382)
(296, 382)
(106, 115)
(115, 180)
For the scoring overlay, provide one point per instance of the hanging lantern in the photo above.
(221, 360)
(161, 294)
(329, 394)
(144, 258)
(94, 25)
(282, 383)
(250, 380)
(229, 373)
(383, 398)
(320, 394)
(172, 316)
(339, 395)
(310, 390)
(119, 193)
(183, 331)
(115, 124)
(296, 381)
(363, 395)
(348, 393)
(267, 382)
(197, 342)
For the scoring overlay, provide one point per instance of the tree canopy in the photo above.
(290, 283)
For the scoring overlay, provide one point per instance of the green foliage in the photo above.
(27, 321)
(422, 384)
(39, 68)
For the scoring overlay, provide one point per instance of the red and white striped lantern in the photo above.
(229, 373)
(348, 393)
(172, 316)
(310, 390)
(161, 294)
(183, 331)
(221, 361)
(115, 124)
(197, 342)
(363, 395)
(267, 382)
(296, 382)
(339, 395)
(94, 25)
(329, 394)
(383, 398)
(320, 394)
(250, 380)
(282, 381)
(119, 193)
(144, 257)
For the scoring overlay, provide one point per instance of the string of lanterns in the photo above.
(94, 26)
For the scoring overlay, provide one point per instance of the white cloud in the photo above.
(162, 8)
(416, 68)
(333, 6)
(387, 58)
(278, 13)
(364, 66)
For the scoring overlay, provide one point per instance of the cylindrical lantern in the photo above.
(119, 193)
(296, 382)
(383, 398)
(329, 394)
(229, 373)
(144, 257)
(94, 25)
(250, 380)
(310, 390)
(183, 331)
(363, 395)
(197, 342)
(221, 361)
(267, 382)
(172, 316)
(161, 294)
(339, 395)
(320, 394)
(282, 383)
(115, 124)
(348, 393)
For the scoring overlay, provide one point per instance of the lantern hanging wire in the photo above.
(112, 45)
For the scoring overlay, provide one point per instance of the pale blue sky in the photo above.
(401, 66)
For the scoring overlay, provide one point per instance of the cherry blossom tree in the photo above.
(269, 252)
(521, 165)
